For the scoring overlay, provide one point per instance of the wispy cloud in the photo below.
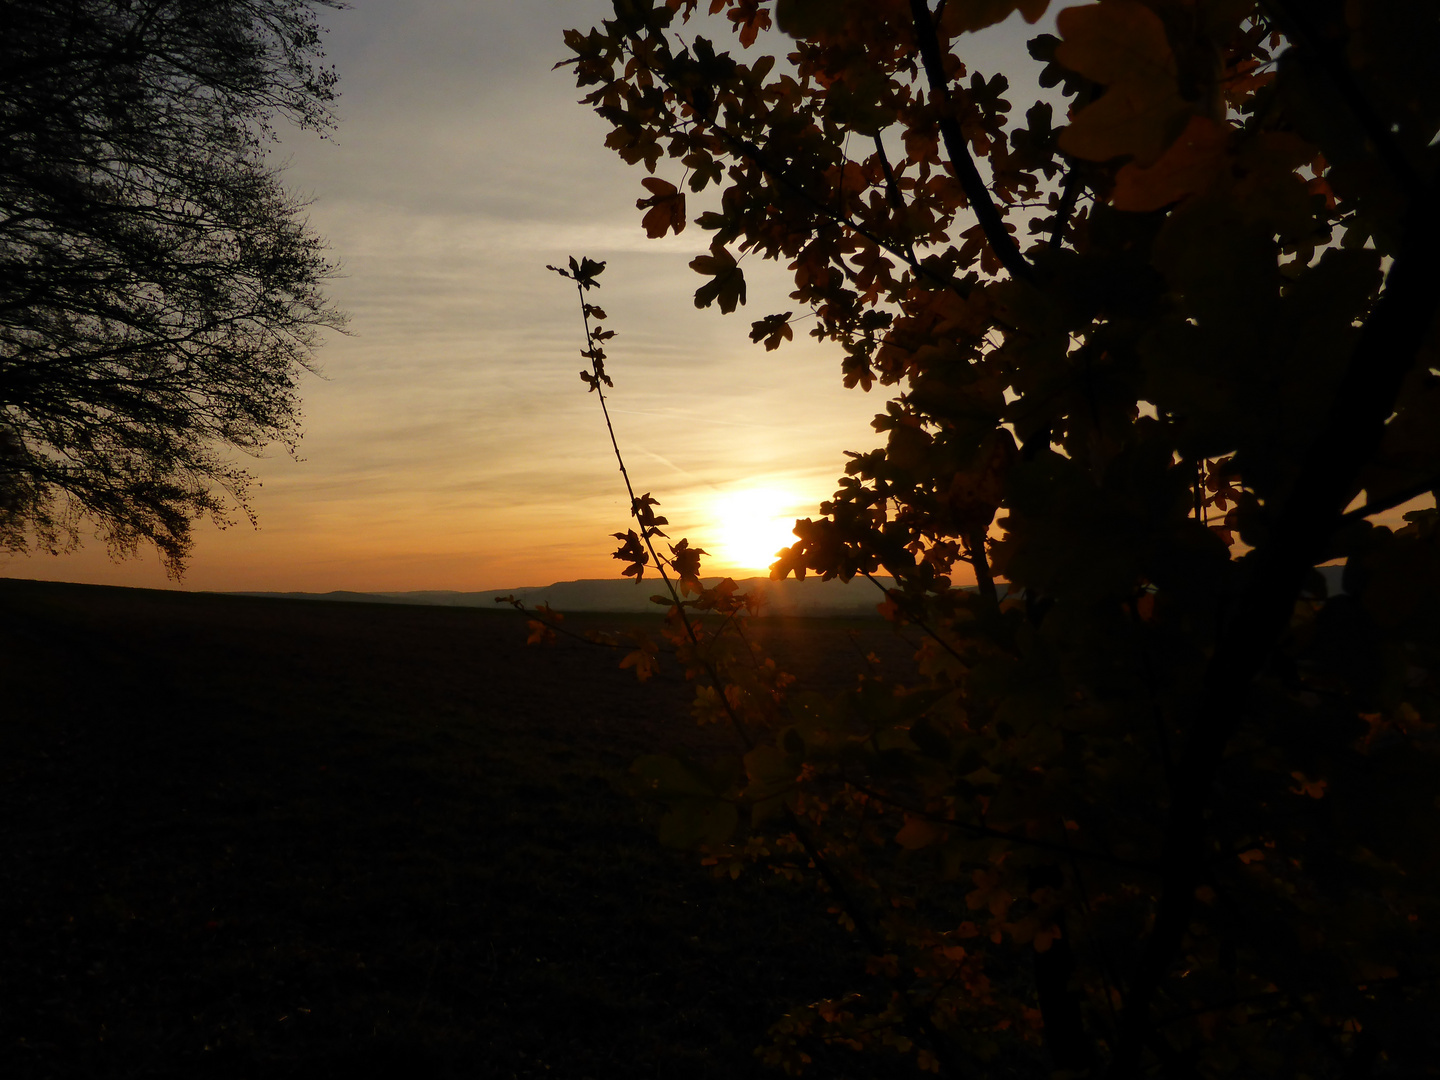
(449, 442)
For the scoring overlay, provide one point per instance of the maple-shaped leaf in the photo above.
(727, 282)
(1121, 44)
(582, 271)
(772, 329)
(588, 271)
(704, 169)
(666, 208)
(598, 376)
(642, 508)
(749, 19)
(856, 367)
(686, 560)
(633, 142)
(632, 552)
(644, 658)
(1191, 165)
(642, 661)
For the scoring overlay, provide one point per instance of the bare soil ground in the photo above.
(270, 838)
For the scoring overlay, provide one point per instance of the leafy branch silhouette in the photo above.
(1158, 363)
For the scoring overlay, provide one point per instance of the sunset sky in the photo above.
(449, 441)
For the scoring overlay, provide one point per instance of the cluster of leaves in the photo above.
(1160, 802)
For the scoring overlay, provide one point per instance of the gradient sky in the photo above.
(449, 441)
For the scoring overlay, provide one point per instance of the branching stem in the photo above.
(872, 938)
(956, 145)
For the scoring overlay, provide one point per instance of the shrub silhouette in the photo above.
(1157, 803)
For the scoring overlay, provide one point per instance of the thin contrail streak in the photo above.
(683, 472)
(690, 418)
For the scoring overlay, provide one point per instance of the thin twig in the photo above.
(911, 616)
(896, 196)
(645, 535)
(980, 561)
(847, 903)
(1069, 197)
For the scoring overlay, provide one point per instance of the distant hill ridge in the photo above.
(811, 597)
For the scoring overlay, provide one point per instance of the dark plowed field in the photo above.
(273, 838)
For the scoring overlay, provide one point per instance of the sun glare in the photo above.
(750, 526)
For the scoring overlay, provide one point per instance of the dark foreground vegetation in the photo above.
(276, 838)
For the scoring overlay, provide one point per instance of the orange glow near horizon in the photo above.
(448, 442)
(751, 525)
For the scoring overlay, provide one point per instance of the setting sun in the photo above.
(751, 525)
